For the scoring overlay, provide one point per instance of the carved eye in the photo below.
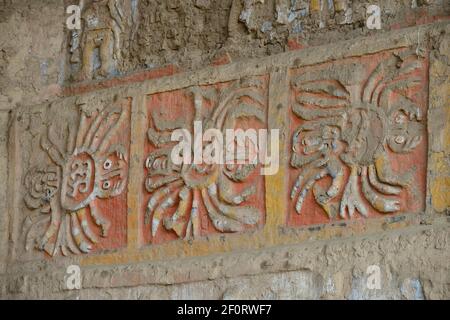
(106, 185)
(107, 165)
(399, 139)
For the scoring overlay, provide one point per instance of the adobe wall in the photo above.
(363, 180)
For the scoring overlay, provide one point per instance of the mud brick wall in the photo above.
(87, 179)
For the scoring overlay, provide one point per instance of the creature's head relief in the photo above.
(405, 128)
(405, 139)
(112, 173)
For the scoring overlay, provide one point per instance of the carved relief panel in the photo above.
(189, 201)
(75, 187)
(358, 145)
(102, 181)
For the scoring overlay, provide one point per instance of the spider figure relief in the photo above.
(352, 129)
(180, 195)
(64, 195)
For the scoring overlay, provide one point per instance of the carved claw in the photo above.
(351, 199)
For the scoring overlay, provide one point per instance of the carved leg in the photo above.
(245, 214)
(336, 171)
(156, 197)
(351, 199)
(385, 173)
(45, 245)
(33, 224)
(105, 55)
(298, 161)
(60, 239)
(169, 201)
(220, 222)
(117, 54)
(175, 222)
(226, 195)
(53, 229)
(305, 174)
(308, 185)
(99, 220)
(158, 138)
(380, 186)
(152, 184)
(87, 64)
(315, 113)
(52, 150)
(93, 129)
(82, 218)
(194, 219)
(69, 237)
(377, 201)
(77, 235)
(101, 135)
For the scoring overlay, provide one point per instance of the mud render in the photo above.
(363, 175)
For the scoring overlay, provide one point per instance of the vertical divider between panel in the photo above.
(136, 173)
(276, 185)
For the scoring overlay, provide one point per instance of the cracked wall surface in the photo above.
(363, 179)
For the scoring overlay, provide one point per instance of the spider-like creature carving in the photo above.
(186, 186)
(354, 128)
(91, 167)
